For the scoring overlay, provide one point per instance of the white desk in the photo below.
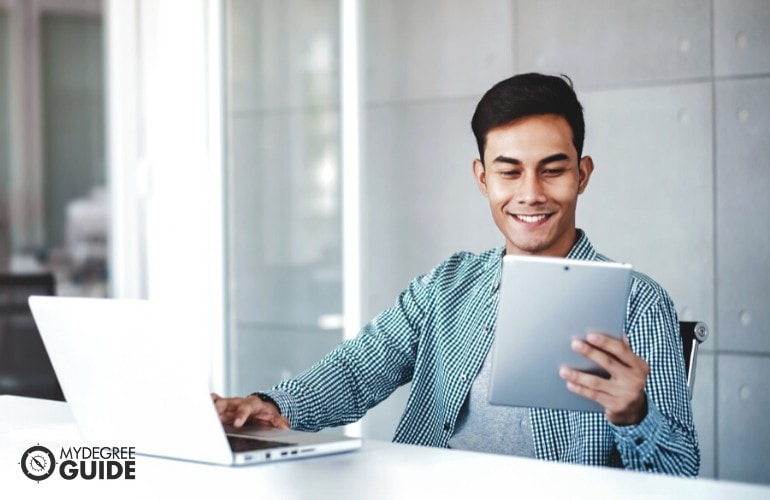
(378, 470)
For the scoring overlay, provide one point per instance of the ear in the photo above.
(480, 174)
(585, 169)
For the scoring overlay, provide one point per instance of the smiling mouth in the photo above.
(531, 219)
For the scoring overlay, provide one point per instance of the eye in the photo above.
(510, 173)
(554, 171)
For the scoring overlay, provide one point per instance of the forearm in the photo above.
(323, 396)
(355, 376)
(360, 372)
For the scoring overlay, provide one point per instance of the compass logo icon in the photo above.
(38, 463)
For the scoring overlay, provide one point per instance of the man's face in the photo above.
(532, 177)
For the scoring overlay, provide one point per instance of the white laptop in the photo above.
(544, 303)
(135, 374)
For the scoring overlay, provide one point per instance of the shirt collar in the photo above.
(496, 265)
(582, 249)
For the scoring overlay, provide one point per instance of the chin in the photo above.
(530, 249)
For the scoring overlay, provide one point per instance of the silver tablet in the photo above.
(544, 303)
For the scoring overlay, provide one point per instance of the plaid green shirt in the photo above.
(437, 335)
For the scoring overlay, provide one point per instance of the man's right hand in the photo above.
(251, 409)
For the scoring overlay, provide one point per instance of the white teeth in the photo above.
(531, 218)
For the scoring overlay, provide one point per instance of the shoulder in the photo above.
(648, 301)
(644, 291)
(463, 267)
(647, 293)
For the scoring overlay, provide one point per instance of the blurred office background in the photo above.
(240, 158)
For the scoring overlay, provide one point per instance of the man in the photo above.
(529, 130)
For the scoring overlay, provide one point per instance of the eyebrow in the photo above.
(548, 159)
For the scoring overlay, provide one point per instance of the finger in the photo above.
(589, 381)
(611, 393)
(621, 350)
(228, 409)
(599, 390)
(628, 374)
(281, 422)
(618, 347)
(242, 413)
(224, 407)
(605, 360)
(271, 420)
(221, 405)
(617, 410)
(576, 383)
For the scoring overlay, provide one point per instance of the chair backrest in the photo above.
(25, 369)
(693, 333)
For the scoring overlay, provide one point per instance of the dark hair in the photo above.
(527, 95)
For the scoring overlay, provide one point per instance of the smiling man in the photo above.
(438, 335)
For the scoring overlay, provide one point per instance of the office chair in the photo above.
(693, 333)
(25, 369)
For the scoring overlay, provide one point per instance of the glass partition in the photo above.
(53, 199)
(284, 242)
(73, 140)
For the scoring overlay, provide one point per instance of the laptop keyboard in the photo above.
(238, 444)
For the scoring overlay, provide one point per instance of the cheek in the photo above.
(498, 193)
(565, 192)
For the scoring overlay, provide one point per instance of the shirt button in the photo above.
(463, 378)
(639, 440)
(446, 426)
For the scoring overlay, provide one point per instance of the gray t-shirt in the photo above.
(488, 428)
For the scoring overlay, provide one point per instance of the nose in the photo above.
(531, 190)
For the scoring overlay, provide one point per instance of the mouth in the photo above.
(531, 219)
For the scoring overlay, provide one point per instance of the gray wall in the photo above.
(677, 98)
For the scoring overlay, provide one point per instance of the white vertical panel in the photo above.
(168, 151)
(214, 184)
(127, 241)
(351, 103)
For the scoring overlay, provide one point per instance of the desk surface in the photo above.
(378, 470)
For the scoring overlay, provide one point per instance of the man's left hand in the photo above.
(622, 395)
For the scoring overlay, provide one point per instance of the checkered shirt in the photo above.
(436, 337)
